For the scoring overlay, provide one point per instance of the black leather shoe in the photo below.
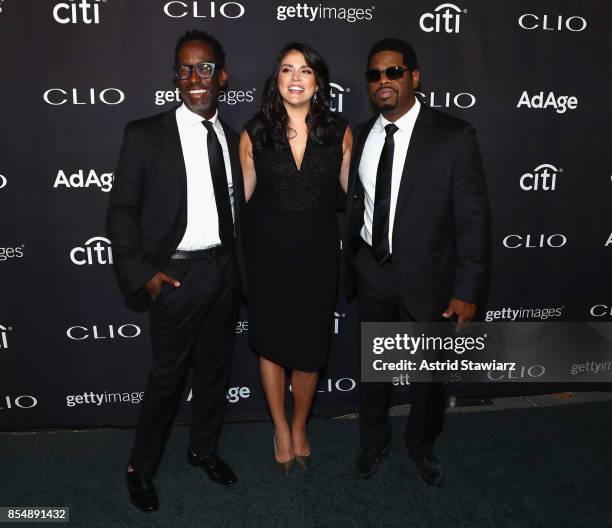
(367, 462)
(142, 492)
(430, 470)
(217, 470)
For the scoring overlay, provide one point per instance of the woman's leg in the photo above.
(273, 381)
(303, 386)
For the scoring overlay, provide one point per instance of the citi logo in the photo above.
(336, 323)
(543, 178)
(3, 181)
(447, 100)
(95, 332)
(78, 180)
(7, 253)
(97, 250)
(336, 95)
(74, 12)
(446, 17)
(176, 9)
(25, 401)
(3, 336)
(59, 96)
(560, 104)
(601, 310)
(556, 240)
(552, 23)
(233, 394)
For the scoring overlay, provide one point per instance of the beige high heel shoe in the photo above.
(303, 461)
(284, 467)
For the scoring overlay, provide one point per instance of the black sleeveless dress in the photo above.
(292, 253)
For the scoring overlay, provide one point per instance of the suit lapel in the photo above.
(232, 144)
(357, 153)
(173, 155)
(418, 150)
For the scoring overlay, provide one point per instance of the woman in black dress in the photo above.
(294, 153)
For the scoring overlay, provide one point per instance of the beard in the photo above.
(387, 105)
(200, 107)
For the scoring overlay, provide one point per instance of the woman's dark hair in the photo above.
(268, 128)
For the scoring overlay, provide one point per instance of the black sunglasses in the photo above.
(393, 73)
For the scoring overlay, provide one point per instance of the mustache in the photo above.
(386, 88)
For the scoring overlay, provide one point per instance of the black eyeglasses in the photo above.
(393, 73)
(205, 70)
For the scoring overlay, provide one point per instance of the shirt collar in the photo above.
(407, 121)
(187, 118)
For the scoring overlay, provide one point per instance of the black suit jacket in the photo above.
(441, 226)
(147, 212)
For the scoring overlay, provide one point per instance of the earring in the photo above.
(315, 97)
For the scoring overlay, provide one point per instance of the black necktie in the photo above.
(219, 181)
(382, 199)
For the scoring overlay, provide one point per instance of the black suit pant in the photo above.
(191, 326)
(379, 301)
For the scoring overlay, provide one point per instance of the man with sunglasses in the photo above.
(417, 238)
(173, 218)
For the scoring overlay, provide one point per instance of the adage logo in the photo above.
(77, 180)
(446, 17)
(560, 104)
(544, 177)
(97, 250)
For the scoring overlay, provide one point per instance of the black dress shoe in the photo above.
(217, 470)
(367, 462)
(430, 470)
(142, 492)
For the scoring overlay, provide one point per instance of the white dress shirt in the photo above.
(369, 165)
(202, 219)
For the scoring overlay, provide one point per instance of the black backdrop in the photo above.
(532, 77)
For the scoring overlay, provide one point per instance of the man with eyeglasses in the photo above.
(417, 238)
(174, 220)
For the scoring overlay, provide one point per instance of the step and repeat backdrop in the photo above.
(533, 77)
